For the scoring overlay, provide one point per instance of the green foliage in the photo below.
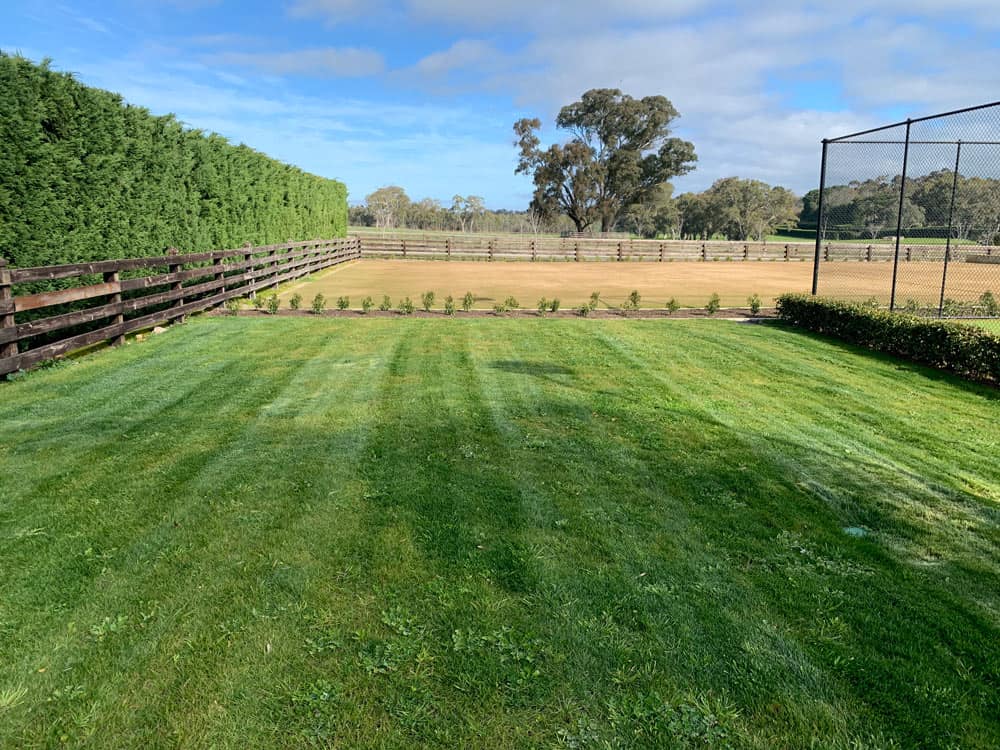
(449, 305)
(85, 177)
(318, 303)
(427, 301)
(273, 303)
(386, 304)
(499, 308)
(754, 303)
(295, 301)
(258, 301)
(554, 305)
(511, 303)
(406, 306)
(966, 350)
(584, 310)
(343, 303)
(672, 306)
(713, 304)
(468, 301)
(366, 305)
(232, 306)
(989, 305)
(543, 306)
(632, 303)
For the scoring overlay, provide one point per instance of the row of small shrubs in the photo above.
(963, 349)
(271, 303)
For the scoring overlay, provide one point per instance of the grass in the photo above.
(497, 533)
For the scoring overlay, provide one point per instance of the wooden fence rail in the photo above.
(178, 284)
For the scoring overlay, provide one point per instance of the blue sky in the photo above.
(423, 93)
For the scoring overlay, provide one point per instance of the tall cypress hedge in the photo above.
(84, 176)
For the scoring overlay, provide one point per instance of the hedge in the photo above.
(963, 349)
(84, 176)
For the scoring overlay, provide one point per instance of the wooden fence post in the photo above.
(248, 269)
(786, 252)
(404, 248)
(489, 249)
(576, 251)
(6, 309)
(533, 250)
(619, 250)
(746, 251)
(868, 254)
(111, 277)
(704, 251)
(176, 285)
(447, 247)
(826, 252)
(909, 254)
(662, 245)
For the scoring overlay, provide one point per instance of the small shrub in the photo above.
(754, 302)
(595, 298)
(232, 306)
(406, 306)
(714, 303)
(911, 305)
(499, 308)
(318, 303)
(634, 299)
(989, 304)
(672, 306)
(273, 303)
(258, 302)
(295, 301)
(584, 310)
(427, 300)
(543, 306)
(468, 301)
(511, 304)
(343, 303)
(386, 304)
(554, 305)
(366, 305)
(449, 305)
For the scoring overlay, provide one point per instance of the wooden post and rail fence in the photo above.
(175, 284)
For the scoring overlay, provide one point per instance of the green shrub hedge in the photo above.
(84, 176)
(963, 349)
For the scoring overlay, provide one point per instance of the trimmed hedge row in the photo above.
(963, 349)
(85, 177)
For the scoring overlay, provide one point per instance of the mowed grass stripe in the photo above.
(502, 533)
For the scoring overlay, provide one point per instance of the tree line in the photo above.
(84, 176)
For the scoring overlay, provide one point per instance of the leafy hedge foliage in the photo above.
(964, 349)
(84, 177)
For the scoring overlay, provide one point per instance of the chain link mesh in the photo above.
(910, 216)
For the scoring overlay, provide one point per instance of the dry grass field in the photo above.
(690, 283)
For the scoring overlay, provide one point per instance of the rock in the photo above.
(159, 329)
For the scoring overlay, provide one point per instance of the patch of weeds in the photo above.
(318, 303)
(295, 301)
(499, 308)
(427, 301)
(366, 305)
(753, 301)
(273, 303)
(989, 304)
(406, 306)
(468, 301)
(584, 310)
(323, 642)
(449, 305)
(386, 304)
(380, 657)
(714, 303)
(633, 301)
(258, 302)
(343, 303)
(584, 735)
(554, 305)
(397, 621)
(232, 306)
(511, 303)
(108, 626)
(672, 306)
(647, 720)
(595, 299)
(543, 306)
(11, 697)
(314, 709)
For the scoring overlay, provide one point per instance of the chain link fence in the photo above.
(908, 215)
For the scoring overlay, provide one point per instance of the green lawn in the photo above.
(497, 533)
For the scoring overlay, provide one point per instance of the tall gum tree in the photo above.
(620, 153)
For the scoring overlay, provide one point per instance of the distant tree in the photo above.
(467, 210)
(750, 209)
(620, 152)
(655, 215)
(388, 206)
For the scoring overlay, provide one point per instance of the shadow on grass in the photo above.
(986, 390)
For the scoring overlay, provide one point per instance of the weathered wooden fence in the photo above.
(531, 248)
(116, 295)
